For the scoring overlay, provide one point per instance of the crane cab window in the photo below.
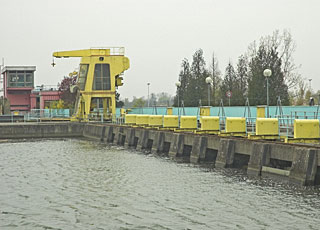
(101, 77)
(83, 76)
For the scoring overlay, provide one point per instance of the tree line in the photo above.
(245, 79)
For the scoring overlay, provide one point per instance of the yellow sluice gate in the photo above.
(170, 122)
(266, 128)
(235, 126)
(130, 119)
(99, 76)
(305, 131)
(142, 120)
(188, 123)
(155, 120)
(209, 124)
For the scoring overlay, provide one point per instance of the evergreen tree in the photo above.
(242, 77)
(193, 86)
(216, 80)
(257, 92)
(197, 87)
(231, 83)
(184, 78)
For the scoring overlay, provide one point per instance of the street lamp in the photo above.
(178, 84)
(310, 83)
(148, 92)
(209, 82)
(267, 73)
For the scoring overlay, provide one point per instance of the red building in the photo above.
(18, 87)
(18, 82)
(42, 96)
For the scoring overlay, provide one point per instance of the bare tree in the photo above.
(284, 44)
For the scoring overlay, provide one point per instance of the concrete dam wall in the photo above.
(40, 130)
(296, 163)
(299, 164)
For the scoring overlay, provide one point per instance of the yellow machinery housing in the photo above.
(170, 121)
(235, 126)
(267, 126)
(155, 120)
(306, 129)
(261, 111)
(205, 111)
(130, 119)
(169, 111)
(188, 122)
(210, 124)
(99, 76)
(142, 120)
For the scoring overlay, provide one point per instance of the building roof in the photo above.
(18, 68)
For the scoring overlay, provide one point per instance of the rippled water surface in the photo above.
(79, 184)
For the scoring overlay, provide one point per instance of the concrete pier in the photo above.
(45, 130)
(298, 164)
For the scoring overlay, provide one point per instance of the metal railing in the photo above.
(113, 50)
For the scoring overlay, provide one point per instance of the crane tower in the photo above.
(99, 75)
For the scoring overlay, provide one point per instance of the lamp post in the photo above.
(310, 83)
(267, 73)
(148, 92)
(178, 84)
(209, 82)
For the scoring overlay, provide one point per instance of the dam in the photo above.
(298, 163)
(152, 168)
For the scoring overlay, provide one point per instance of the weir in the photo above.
(299, 164)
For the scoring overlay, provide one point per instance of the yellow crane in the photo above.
(100, 73)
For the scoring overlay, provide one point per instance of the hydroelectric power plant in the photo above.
(157, 168)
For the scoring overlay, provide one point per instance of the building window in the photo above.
(18, 79)
(83, 76)
(101, 77)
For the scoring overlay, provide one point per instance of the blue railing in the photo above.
(299, 112)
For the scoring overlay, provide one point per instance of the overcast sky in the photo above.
(157, 34)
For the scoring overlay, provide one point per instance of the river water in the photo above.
(80, 184)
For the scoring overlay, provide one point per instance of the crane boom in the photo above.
(82, 53)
